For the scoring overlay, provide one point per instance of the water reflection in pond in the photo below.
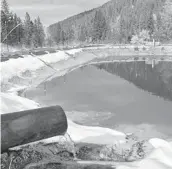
(97, 95)
(156, 79)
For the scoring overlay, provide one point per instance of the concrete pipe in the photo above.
(23, 127)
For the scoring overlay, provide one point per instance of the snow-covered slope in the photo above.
(15, 67)
(12, 103)
(95, 135)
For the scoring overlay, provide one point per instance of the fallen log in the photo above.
(23, 127)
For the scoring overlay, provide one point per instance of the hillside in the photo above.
(116, 21)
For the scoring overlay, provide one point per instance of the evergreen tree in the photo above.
(20, 31)
(49, 41)
(62, 37)
(99, 27)
(14, 32)
(70, 35)
(101, 23)
(5, 21)
(126, 23)
(3, 26)
(165, 30)
(56, 34)
(40, 34)
(150, 24)
(28, 27)
(35, 41)
(114, 35)
(5, 7)
(142, 38)
(82, 34)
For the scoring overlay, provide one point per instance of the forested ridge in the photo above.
(17, 32)
(117, 21)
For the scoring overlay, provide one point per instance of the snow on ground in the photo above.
(74, 51)
(16, 88)
(5, 48)
(12, 103)
(159, 143)
(160, 158)
(54, 57)
(15, 67)
(95, 135)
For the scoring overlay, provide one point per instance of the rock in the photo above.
(88, 152)
(33, 154)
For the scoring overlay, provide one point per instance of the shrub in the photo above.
(162, 48)
(136, 58)
(142, 38)
(144, 48)
(136, 48)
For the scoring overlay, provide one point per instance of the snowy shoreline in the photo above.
(163, 150)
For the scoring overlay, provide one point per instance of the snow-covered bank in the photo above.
(74, 51)
(94, 135)
(160, 158)
(12, 103)
(10, 70)
(32, 62)
(15, 67)
(85, 134)
(20, 73)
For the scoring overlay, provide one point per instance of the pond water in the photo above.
(129, 96)
(156, 79)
